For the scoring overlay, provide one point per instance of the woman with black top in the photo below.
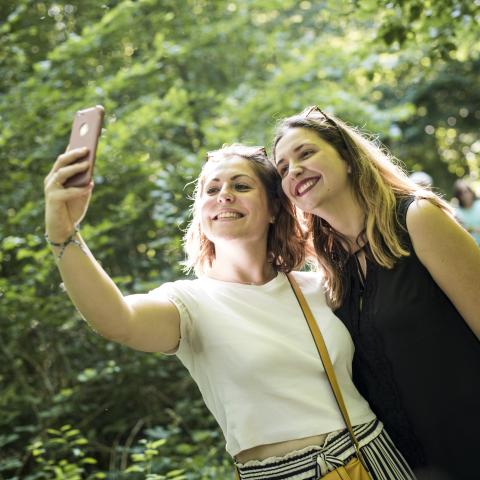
(403, 276)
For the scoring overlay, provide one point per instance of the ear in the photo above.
(349, 169)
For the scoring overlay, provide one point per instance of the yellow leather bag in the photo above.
(353, 470)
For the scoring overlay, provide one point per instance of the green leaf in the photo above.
(89, 460)
(135, 469)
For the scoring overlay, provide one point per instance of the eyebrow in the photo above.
(235, 177)
(295, 150)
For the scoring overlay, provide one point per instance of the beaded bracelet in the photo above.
(71, 239)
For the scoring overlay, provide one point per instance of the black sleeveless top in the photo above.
(416, 361)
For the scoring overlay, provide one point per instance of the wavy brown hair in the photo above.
(378, 181)
(285, 242)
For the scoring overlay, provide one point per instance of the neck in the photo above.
(241, 264)
(346, 216)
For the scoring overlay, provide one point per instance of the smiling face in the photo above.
(313, 173)
(233, 202)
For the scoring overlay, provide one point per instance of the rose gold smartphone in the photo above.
(86, 129)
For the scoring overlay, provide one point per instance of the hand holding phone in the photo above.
(86, 129)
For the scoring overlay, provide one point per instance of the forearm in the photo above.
(92, 291)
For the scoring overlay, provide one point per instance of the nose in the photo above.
(225, 195)
(295, 170)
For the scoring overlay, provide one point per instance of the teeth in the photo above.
(229, 215)
(307, 185)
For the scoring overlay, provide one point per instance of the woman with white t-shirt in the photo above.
(237, 327)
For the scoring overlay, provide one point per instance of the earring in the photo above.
(272, 220)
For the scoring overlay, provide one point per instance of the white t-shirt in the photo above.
(251, 353)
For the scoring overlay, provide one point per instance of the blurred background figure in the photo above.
(468, 208)
(421, 178)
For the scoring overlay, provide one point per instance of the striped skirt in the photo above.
(312, 463)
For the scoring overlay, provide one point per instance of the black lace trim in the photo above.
(374, 377)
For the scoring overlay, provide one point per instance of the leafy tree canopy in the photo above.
(178, 79)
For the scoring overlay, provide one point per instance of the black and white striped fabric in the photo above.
(312, 463)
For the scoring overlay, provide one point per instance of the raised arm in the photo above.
(451, 256)
(142, 322)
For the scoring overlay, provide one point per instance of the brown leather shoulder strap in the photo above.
(325, 357)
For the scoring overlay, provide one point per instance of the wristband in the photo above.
(71, 239)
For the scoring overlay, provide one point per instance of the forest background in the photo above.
(178, 78)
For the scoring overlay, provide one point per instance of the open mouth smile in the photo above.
(305, 186)
(228, 215)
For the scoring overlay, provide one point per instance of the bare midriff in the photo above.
(261, 452)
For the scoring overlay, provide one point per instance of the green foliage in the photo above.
(62, 455)
(178, 79)
(442, 26)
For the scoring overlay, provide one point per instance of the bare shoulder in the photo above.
(436, 235)
(450, 254)
(423, 216)
(429, 226)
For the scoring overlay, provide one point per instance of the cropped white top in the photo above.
(251, 353)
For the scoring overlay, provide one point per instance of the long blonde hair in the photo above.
(285, 241)
(379, 182)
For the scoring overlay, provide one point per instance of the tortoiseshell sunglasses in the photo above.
(315, 109)
(243, 150)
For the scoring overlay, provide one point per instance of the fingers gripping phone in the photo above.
(86, 128)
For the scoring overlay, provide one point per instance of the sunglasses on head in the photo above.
(242, 151)
(314, 109)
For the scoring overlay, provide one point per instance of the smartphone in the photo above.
(86, 129)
